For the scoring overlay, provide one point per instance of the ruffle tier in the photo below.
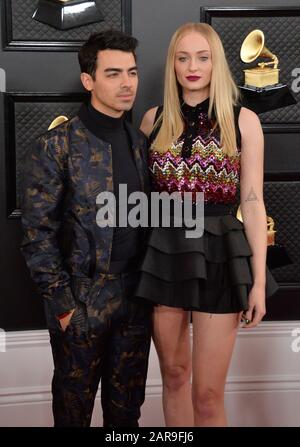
(211, 273)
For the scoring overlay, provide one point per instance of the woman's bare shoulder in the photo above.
(148, 121)
(248, 121)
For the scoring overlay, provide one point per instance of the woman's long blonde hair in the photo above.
(224, 93)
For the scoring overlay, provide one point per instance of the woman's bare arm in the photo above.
(253, 208)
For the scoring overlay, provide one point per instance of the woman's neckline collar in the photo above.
(203, 105)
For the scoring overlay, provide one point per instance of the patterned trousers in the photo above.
(108, 339)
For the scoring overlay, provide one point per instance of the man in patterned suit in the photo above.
(87, 274)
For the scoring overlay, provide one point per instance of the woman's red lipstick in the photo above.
(193, 78)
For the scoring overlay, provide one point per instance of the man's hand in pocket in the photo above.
(64, 319)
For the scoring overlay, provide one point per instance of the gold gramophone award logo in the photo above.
(265, 73)
(262, 91)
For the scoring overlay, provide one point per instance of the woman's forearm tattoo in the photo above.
(252, 197)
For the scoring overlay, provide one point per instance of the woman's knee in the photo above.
(175, 376)
(207, 402)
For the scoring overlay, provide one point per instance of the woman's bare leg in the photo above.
(171, 335)
(214, 336)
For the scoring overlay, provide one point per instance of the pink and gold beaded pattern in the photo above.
(206, 169)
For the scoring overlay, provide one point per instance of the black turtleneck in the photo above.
(126, 241)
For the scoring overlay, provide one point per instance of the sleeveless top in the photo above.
(196, 161)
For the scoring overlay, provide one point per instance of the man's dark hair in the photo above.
(105, 40)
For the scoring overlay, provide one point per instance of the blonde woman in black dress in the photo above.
(203, 141)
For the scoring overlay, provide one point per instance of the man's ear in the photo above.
(87, 81)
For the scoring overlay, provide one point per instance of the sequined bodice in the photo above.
(196, 161)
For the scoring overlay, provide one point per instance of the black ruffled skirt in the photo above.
(209, 274)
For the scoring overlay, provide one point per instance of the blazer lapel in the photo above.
(138, 144)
